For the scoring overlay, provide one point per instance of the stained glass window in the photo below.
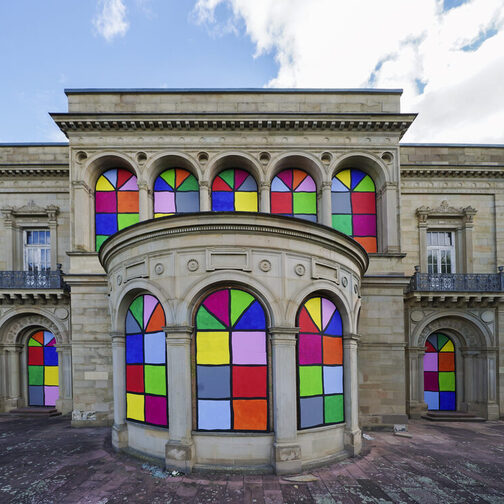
(231, 363)
(439, 373)
(234, 190)
(175, 191)
(146, 391)
(294, 193)
(320, 364)
(43, 381)
(354, 207)
(116, 203)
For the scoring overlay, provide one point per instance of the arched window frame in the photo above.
(242, 197)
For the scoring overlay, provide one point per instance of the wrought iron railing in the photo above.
(33, 279)
(457, 282)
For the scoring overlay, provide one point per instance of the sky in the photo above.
(447, 55)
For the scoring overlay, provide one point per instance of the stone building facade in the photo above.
(385, 255)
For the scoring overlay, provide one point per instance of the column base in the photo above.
(119, 436)
(179, 455)
(287, 458)
(64, 406)
(353, 442)
(492, 411)
(416, 409)
(13, 403)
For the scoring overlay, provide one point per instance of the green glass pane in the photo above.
(136, 308)
(169, 177)
(228, 177)
(310, 380)
(205, 320)
(35, 375)
(99, 241)
(33, 342)
(125, 220)
(189, 184)
(305, 203)
(333, 409)
(155, 380)
(239, 301)
(442, 339)
(365, 185)
(342, 223)
(446, 381)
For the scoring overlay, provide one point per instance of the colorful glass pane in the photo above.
(439, 373)
(294, 193)
(320, 364)
(43, 376)
(116, 203)
(234, 190)
(146, 389)
(176, 191)
(354, 207)
(231, 363)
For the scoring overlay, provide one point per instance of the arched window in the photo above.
(146, 389)
(116, 203)
(354, 207)
(294, 193)
(231, 363)
(43, 381)
(176, 191)
(320, 364)
(234, 190)
(439, 373)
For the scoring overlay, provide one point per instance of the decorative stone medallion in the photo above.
(300, 270)
(265, 265)
(159, 269)
(192, 265)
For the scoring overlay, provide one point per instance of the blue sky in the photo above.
(446, 54)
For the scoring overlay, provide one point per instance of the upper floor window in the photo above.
(116, 203)
(354, 207)
(175, 191)
(294, 193)
(440, 252)
(37, 249)
(234, 190)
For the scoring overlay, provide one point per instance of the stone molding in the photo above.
(444, 211)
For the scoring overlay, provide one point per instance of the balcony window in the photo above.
(37, 249)
(440, 252)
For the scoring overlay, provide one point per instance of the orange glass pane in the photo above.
(250, 415)
(333, 350)
(127, 202)
(368, 243)
(446, 361)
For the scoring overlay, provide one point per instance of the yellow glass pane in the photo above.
(157, 215)
(135, 407)
(212, 347)
(345, 177)
(104, 185)
(448, 347)
(51, 375)
(245, 201)
(314, 309)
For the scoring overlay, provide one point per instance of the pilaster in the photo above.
(145, 208)
(353, 434)
(65, 402)
(14, 399)
(264, 201)
(326, 204)
(204, 196)
(120, 428)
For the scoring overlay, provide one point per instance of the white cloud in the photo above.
(409, 44)
(111, 20)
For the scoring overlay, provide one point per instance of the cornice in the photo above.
(365, 122)
(451, 171)
(34, 170)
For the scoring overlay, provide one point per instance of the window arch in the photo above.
(439, 373)
(320, 364)
(354, 206)
(146, 386)
(116, 203)
(294, 193)
(176, 191)
(231, 363)
(234, 190)
(43, 380)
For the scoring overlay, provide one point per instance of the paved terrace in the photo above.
(47, 461)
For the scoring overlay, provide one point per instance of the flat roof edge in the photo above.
(499, 146)
(232, 90)
(34, 144)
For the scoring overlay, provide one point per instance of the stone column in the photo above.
(416, 404)
(353, 434)
(180, 448)
(264, 200)
(468, 356)
(9, 239)
(13, 376)
(286, 450)
(204, 196)
(120, 428)
(146, 210)
(389, 218)
(326, 203)
(83, 210)
(64, 403)
(492, 408)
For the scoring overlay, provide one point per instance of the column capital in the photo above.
(326, 184)
(118, 338)
(265, 186)
(178, 335)
(352, 337)
(283, 335)
(15, 348)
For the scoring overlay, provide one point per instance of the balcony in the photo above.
(21, 286)
(460, 288)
